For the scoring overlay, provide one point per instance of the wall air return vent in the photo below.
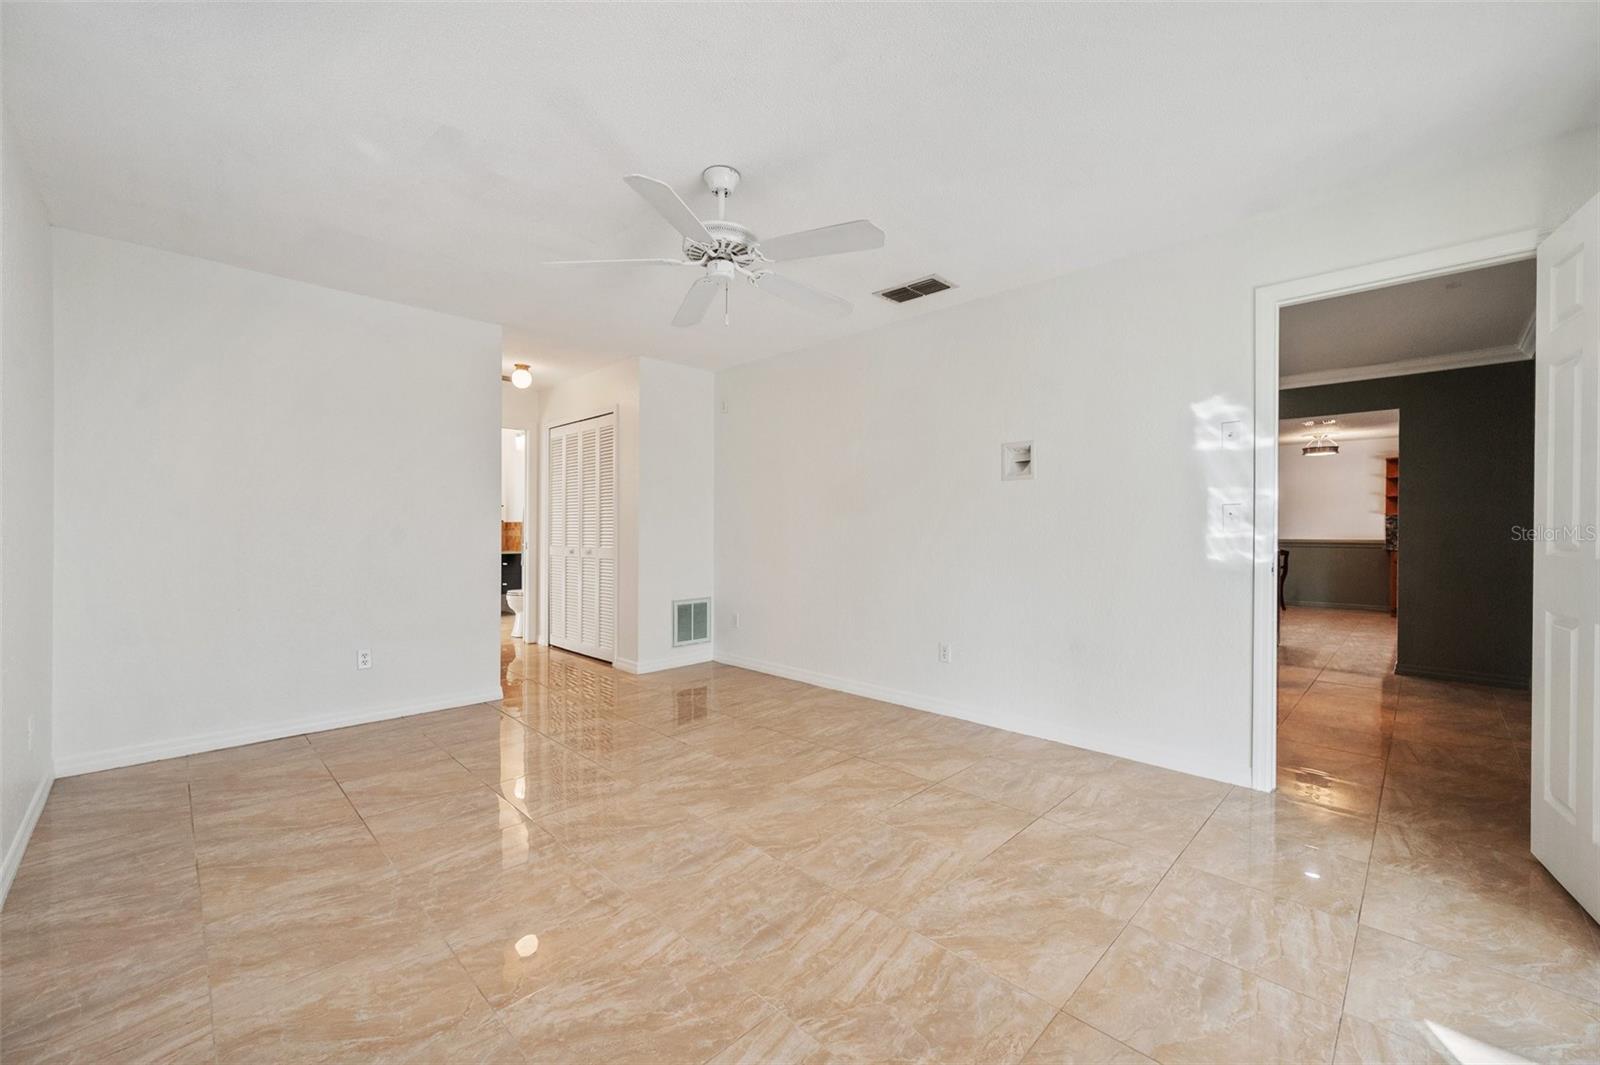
(927, 286)
(691, 621)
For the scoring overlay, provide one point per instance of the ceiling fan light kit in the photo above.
(1321, 444)
(725, 251)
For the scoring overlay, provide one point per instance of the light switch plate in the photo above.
(1232, 517)
(1232, 432)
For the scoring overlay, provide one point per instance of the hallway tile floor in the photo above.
(715, 865)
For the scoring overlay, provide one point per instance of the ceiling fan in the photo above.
(725, 251)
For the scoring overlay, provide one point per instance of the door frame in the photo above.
(1269, 301)
(543, 544)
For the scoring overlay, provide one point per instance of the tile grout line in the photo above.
(421, 910)
(1367, 870)
(199, 891)
(1449, 951)
(1145, 901)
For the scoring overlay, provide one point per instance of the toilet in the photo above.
(514, 601)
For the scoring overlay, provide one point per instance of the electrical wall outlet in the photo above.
(945, 654)
(736, 619)
(30, 734)
(363, 659)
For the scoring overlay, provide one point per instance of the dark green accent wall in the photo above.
(1337, 573)
(1466, 480)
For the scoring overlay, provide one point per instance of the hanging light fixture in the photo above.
(521, 376)
(1321, 444)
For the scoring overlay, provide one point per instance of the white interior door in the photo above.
(1566, 563)
(583, 536)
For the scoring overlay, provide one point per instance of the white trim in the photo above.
(1455, 360)
(19, 842)
(1167, 758)
(137, 753)
(693, 655)
(1269, 300)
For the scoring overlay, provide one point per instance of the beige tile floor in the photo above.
(714, 865)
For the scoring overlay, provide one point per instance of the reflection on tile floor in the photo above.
(712, 865)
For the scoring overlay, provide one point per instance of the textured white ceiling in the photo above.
(435, 154)
(1470, 311)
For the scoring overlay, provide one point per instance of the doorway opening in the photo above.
(515, 616)
(1465, 738)
(1407, 418)
(1344, 396)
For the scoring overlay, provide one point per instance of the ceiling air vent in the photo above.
(927, 286)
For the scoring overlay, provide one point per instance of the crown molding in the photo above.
(1456, 360)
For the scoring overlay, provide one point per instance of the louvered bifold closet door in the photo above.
(584, 504)
(606, 538)
(558, 538)
(572, 565)
(589, 630)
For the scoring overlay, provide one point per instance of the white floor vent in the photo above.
(691, 621)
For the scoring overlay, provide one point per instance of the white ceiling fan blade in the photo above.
(669, 205)
(859, 235)
(801, 295)
(621, 262)
(695, 302)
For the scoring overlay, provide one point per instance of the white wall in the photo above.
(610, 388)
(677, 472)
(513, 476)
(861, 519)
(255, 478)
(26, 505)
(1333, 497)
(665, 477)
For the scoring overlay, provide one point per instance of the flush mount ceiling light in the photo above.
(1321, 444)
(521, 376)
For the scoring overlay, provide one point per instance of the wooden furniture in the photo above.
(510, 536)
(510, 572)
(1391, 528)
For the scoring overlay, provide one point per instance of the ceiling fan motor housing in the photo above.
(731, 241)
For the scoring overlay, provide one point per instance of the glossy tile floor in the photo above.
(716, 865)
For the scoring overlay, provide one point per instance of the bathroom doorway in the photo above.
(514, 524)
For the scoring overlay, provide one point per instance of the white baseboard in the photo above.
(19, 842)
(689, 656)
(992, 717)
(138, 753)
